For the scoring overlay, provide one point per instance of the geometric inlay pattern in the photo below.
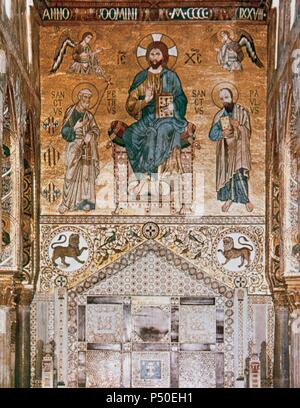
(104, 323)
(103, 369)
(151, 275)
(197, 370)
(197, 324)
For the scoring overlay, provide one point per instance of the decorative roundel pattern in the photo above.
(240, 282)
(61, 281)
(150, 230)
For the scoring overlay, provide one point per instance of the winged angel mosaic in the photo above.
(231, 54)
(85, 60)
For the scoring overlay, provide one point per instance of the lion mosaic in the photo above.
(230, 252)
(70, 251)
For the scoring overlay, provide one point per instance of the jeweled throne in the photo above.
(166, 194)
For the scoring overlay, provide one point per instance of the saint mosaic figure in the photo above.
(81, 133)
(231, 130)
(158, 103)
(231, 54)
(85, 60)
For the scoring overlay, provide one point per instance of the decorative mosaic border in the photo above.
(137, 219)
(195, 243)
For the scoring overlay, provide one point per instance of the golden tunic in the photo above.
(135, 104)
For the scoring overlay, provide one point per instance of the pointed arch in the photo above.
(10, 186)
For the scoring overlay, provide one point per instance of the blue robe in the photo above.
(150, 141)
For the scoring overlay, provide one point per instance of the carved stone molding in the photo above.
(294, 300)
(25, 296)
(7, 292)
(293, 285)
(13, 293)
(280, 298)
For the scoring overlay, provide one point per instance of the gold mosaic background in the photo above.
(198, 78)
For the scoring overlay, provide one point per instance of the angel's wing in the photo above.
(64, 43)
(214, 39)
(247, 41)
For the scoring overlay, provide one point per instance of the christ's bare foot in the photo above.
(249, 207)
(142, 188)
(226, 206)
(136, 189)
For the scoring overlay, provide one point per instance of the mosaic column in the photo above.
(295, 349)
(7, 333)
(2, 97)
(295, 282)
(290, 193)
(289, 245)
(127, 345)
(5, 372)
(240, 337)
(7, 317)
(23, 339)
(41, 333)
(281, 341)
(293, 287)
(61, 335)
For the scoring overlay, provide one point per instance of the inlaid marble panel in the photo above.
(104, 323)
(197, 324)
(103, 369)
(151, 323)
(150, 369)
(197, 370)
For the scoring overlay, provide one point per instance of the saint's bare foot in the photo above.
(62, 209)
(226, 206)
(249, 207)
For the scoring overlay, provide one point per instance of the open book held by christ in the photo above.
(164, 106)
